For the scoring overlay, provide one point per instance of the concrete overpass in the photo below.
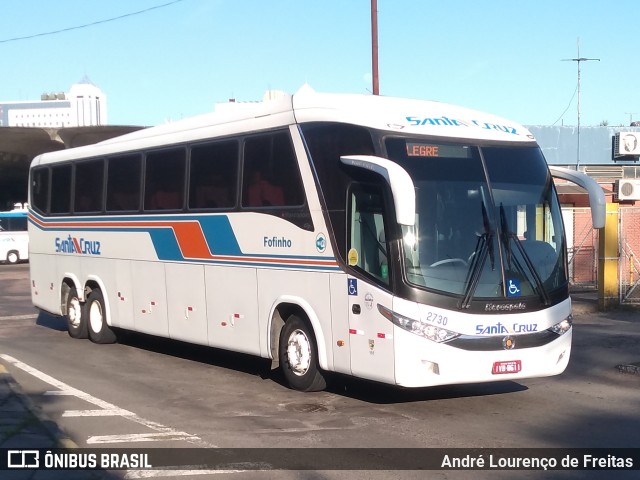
(19, 145)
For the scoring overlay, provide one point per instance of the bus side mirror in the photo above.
(597, 200)
(402, 188)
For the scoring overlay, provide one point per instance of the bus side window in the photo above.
(89, 186)
(367, 247)
(123, 183)
(261, 192)
(271, 177)
(213, 177)
(18, 224)
(61, 185)
(40, 189)
(164, 180)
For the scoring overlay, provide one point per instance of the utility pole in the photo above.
(374, 47)
(578, 60)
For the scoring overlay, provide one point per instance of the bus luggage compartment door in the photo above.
(150, 303)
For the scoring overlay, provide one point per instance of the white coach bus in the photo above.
(409, 242)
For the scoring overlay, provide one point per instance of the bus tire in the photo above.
(13, 257)
(76, 319)
(95, 312)
(299, 356)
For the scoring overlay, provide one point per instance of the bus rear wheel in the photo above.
(299, 356)
(13, 257)
(76, 321)
(99, 331)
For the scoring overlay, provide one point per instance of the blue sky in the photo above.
(502, 57)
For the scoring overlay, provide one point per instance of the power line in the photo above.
(86, 25)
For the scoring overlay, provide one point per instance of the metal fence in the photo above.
(629, 274)
(582, 248)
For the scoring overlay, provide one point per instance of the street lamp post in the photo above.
(374, 47)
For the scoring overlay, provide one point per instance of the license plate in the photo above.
(511, 366)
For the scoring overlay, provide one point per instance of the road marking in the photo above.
(139, 437)
(163, 432)
(135, 474)
(19, 317)
(118, 412)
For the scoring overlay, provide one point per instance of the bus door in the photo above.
(370, 334)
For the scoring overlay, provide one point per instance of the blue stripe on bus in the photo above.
(217, 231)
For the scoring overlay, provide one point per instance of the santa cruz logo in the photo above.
(80, 246)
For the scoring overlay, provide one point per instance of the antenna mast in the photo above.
(578, 60)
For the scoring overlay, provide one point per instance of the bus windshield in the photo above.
(487, 222)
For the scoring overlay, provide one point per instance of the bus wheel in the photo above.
(13, 257)
(299, 356)
(76, 321)
(99, 331)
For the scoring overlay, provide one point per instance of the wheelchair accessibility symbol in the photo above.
(353, 286)
(514, 288)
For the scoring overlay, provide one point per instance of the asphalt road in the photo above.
(149, 392)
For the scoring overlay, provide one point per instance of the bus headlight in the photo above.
(426, 330)
(564, 326)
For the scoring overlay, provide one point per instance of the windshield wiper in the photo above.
(507, 236)
(484, 248)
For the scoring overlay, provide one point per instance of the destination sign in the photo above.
(419, 149)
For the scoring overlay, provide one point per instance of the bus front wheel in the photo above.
(299, 356)
(99, 331)
(76, 321)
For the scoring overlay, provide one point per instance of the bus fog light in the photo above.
(564, 326)
(431, 367)
(560, 357)
(426, 330)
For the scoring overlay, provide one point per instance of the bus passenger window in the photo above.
(262, 193)
(164, 198)
(40, 189)
(61, 185)
(271, 177)
(164, 180)
(213, 175)
(89, 186)
(123, 183)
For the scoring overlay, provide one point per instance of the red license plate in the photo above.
(511, 366)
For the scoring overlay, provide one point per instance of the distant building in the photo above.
(85, 105)
(602, 157)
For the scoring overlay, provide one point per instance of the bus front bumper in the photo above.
(421, 363)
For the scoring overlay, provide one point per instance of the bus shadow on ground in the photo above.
(338, 384)
(51, 321)
(381, 393)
